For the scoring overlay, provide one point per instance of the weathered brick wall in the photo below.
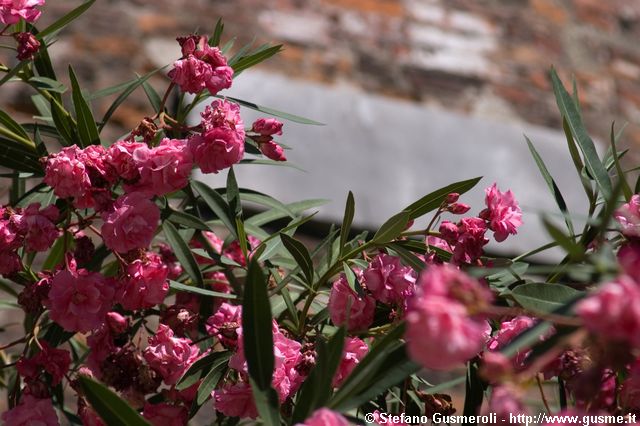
(482, 57)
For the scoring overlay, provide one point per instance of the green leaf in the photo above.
(274, 214)
(65, 20)
(300, 254)
(316, 389)
(152, 95)
(200, 368)
(544, 297)
(265, 200)
(56, 253)
(87, 129)
(217, 204)
(569, 110)
(433, 200)
(197, 290)
(217, 33)
(255, 58)
(188, 220)
(212, 378)
(233, 194)
(130, 88)
(551, 183)
(16, 156)
(575, 250)
(352, 280)
(274, 112)
(267, 403)
(17, 132)
(256, 325)
(408, 257)
(626, 190)
(474, 393)
(347, 220)
(109, 406)
(392, 227)
(48, 84)
(182, 252)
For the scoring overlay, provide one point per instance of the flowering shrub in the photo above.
(147, 294)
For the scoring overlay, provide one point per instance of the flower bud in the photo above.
(273, 151)
(452, 197)
(28, 45)
(459, 208)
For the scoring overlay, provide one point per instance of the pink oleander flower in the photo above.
(170, 356)
(234, 252)
(360, 314)
(613, 311)
(506, 400)
(28, 45)
(267, 126)
(495, 366)
(629, 260)
(117, 323)
(131, 224)
(89, 417)
(31, 412)
(164, 414)
(507, 332)
(502, 213)
(163, 169)
(325, 417)
(628, 216)
(354, 350)
(466, 239)
(440, 333)
(9, 263)
(202, 67)
(11, 11)
(388, 280)
(224, 324)
(235, 401)
(54, 361)
(67, 174)
(221, 143)
(120, 157)
(449, 282)
(79, 300)
(145, 284)
(39, 227)
(273, 151)
(102, 345)
(288, 355)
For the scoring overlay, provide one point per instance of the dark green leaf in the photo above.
(152, 95)
(392, 228)
(15, 128)
(626, 190)
(217, 204)
(575, 250)
(233, 194)
(347, 220)
(544, 297)
(274, 112)
(124, 95)
(65, 20)
(408, 257)
(433, 200)
(56, 253)
(48, 84)
(211, 379)
(109, 406)
(87, 129)
(267, 403)
(569, 110)
(256, 325)
(197, 290)
(200, 368)
(300, 254)
(250, 60)
(188, 220)
(474, 393)
(551, 183)
(182, 252)
(217, 33)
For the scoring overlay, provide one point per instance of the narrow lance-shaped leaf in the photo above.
(300, 254)
(109, 406)
(275, 112)
(392, 227)
(433, 200)
(87, 129)
(65, 20)
(551, 183)
(184, 255)
(626, 190)
(217, 204)
(256, 325)
(217, 33)
(574, 120)
(347, 220)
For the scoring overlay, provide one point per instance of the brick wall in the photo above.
(481, 57)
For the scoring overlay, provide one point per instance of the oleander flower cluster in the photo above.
(145, 295)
